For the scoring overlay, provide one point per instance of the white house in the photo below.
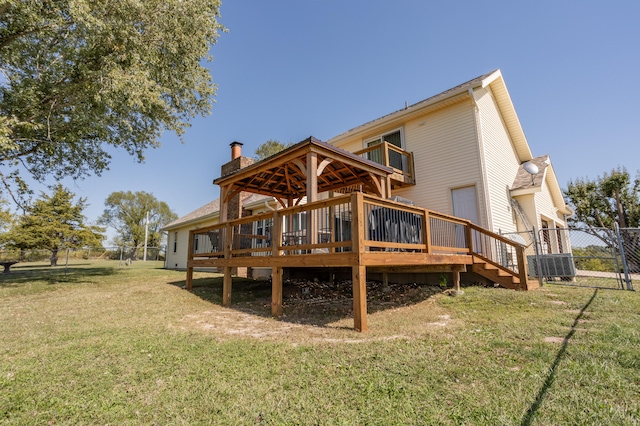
(461, 152)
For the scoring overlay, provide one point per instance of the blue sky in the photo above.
(288, 69)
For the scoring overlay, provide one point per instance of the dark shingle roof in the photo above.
(210, 209)
(525, 180)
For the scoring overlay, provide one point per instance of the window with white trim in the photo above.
(395, 138)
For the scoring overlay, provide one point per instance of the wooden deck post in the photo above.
(189, 280)
(469, 237)
(189, 283)
(226, 287)
(359, 277)
(426, 226)
(359, 271)
(523, 271)
(276, 291)
(456, 277)
(276, 271)
(312, 195)
(385, 153)
(227, 280)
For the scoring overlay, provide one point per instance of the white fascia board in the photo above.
(194, 221)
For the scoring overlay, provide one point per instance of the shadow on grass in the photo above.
(53, 275)
(535, 406)
(308, 302)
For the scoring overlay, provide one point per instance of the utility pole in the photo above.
(146, 237)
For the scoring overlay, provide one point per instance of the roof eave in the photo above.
(195, 220)
(512, 122)
(457, 93)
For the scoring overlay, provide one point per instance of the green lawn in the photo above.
(101, 344)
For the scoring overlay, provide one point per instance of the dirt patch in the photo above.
(323, 312)
(554, 340)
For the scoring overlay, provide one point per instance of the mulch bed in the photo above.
(310, 292)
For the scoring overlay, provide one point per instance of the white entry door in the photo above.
(465, 203)
(465, 206)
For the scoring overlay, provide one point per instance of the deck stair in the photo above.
(500, 275)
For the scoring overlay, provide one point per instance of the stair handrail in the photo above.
(521, 263)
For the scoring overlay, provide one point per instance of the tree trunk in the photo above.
(134, 253)
(54, 257)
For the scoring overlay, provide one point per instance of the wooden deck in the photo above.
(358, 231)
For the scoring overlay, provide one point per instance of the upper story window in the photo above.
(175, 241)
(396, 138)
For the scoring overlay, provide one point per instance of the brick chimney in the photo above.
(236, 149)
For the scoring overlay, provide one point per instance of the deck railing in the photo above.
(331, 226)
(498, 250)
(391, 156)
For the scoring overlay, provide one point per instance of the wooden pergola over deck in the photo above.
(306, 169)
(358, 229)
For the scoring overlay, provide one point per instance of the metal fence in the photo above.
(66, 256)
(590, 257)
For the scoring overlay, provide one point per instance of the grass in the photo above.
(104, 345)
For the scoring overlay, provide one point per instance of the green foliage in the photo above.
(594, 258)
(126, 212)
(270, 148)
(54, 223)
(612, 198)
(6, 217)
(83, 76)
(442, 281)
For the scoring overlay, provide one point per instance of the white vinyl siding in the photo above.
(178, 259)
(500, 160)
(546, 207)
(178, 256)
(446, 157)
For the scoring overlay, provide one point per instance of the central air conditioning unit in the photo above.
(552, 265)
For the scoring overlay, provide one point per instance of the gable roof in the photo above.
(495, 82)
(492, 79)
(526, 183)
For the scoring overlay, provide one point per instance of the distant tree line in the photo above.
(55, 222)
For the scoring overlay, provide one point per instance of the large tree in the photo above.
(80, 76)
(54, 222)
(613, 198)
(6, 217)
(126, 212)
(269, 148)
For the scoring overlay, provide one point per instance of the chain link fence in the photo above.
(590, 257)
(78, 255)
